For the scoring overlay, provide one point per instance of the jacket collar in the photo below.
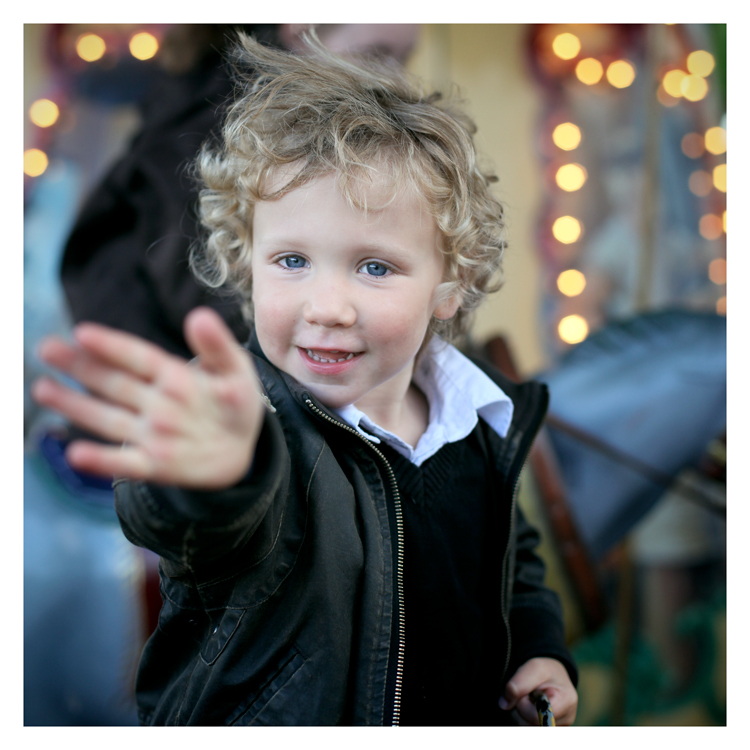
(275, 391)
(529, 399)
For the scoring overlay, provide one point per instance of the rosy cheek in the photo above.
(270, 318)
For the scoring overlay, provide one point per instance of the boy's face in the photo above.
(342, 300)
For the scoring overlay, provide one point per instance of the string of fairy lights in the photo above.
(88, 47)
(684, 79)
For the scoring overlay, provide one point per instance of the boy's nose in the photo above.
(330, 306)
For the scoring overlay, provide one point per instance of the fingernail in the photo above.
(503, 703)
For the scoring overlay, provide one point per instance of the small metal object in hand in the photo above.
(543, 709)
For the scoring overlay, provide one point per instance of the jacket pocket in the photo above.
(250, 709)
(221, 633)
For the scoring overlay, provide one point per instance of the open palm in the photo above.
(192, 425)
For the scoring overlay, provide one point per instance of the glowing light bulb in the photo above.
(589, 71)
(90, 47)
(571, 282)
(700, 183)
(571, 177)
(693, 88)
(717, 271)
(44, 113)
(566, 229)
(693, 145)
(34, 162)
(720, 177)
(143, 46)
(620, 74)
(566, 136)
(566, 46)
(700, 63)
(672, 82)
(573, 329)
(716, 140)
(666, 99)
(710, 226)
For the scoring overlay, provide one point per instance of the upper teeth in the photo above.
(323, 359)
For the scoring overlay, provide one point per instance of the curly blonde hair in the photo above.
(323, 114)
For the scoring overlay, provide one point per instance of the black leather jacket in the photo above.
(283, 595)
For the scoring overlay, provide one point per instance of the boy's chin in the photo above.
(328, 397)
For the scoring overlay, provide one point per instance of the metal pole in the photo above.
(650, 202)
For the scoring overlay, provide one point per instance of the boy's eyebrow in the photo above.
(280, 242)
(394, 252)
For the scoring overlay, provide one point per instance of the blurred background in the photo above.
(610, 146)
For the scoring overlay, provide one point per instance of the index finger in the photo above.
(123, 350)
(214, 343)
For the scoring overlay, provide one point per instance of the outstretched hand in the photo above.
(549, 676)
(189, 425)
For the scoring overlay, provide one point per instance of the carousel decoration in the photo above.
(632, 143)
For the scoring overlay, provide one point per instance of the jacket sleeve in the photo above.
(536, 621)
(193, 528)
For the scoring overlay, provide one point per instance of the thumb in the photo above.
(525, 679)
(210, 338)
(510, 696)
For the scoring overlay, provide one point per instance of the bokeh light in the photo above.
(700, 63)
(716, 140)
(717, 271)
(571, 282)
(44, 112)
(710, 226)
(573, 329)
(720, 177)
(90, 47)
(571, 177)
(143, 45)
(566, 229)
(724, 222)
(34, 162)
(566, 46)
(672, 82)
(589, 71)
(693, 88)
(721, 305)
(620, 74)
(700, 183)
(665, 99)
(566, 136)
(693, 145)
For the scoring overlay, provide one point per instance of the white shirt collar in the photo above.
(458, 393)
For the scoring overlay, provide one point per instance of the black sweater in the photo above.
(452, 527)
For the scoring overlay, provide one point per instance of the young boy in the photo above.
(345, 548)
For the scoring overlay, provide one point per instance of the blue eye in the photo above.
(293, 261)
(376, 269)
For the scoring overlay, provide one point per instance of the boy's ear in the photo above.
(448, 307)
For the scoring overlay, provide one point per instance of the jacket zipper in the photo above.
(506, 556)
(399, 557)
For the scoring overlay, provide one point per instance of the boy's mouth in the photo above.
(330, 355)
